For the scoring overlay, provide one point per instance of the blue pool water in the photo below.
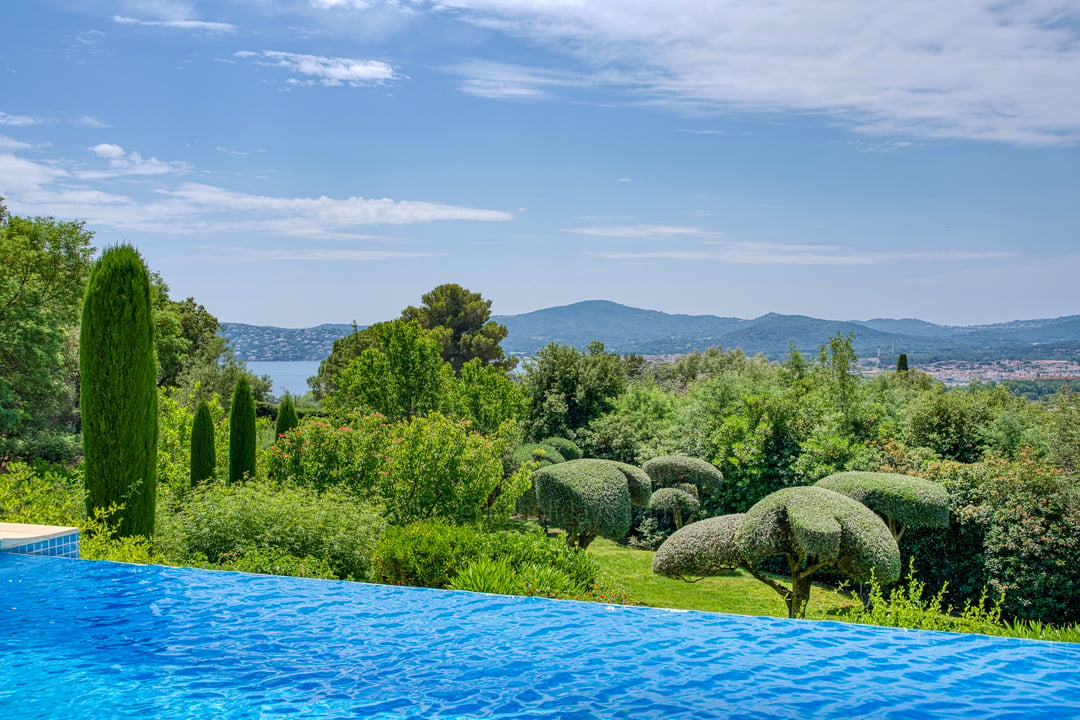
(82, 639)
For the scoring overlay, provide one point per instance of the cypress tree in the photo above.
(286, 416)
(901, 363)
(203, 456)
(118, 392)
(242, 432)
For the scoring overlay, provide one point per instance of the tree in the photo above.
(901, 363)
(187, 334)
(586, 498)
(487, 397)
(241, 433)
(902, 501)
(44, 265)
(810, 527)
(203, 452)
(466, 318)
(287, 418)
(401, 375)
(567, 389)
(119, 391)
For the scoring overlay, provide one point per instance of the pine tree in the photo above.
(286, 416)
(203, 457)
(901, 363)
(242, 432)
(118, 392)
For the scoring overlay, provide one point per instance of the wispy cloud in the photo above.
(504, 81)
(779, 254)
(998, 71)
(10, 143)
(315, 254)
(18, 120)
(122, 162)
(196, 25)
(328, 71)
(644, 231)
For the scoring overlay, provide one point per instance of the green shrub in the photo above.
(539, 453)
(586, 498)
(242, 432)
(426, 553)
(220, 521)
(524, 550)
(319, 456)
(566, 448)
(678, 503)
(488, 576)
(701, 549)
(203, 453)
(902, 501)
(637, 482)
(118, 391)
(274, 561)
(287, 418)
(42, 494)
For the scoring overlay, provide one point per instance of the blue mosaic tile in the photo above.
(63, 546)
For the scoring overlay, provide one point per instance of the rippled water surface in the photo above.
(92, 640)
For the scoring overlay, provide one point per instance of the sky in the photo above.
(298, 162)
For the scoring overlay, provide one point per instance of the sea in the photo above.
(289, 376)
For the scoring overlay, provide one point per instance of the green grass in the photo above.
(734, 592)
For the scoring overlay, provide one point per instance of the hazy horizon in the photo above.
(292, 162)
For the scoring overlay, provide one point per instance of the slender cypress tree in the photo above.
(203, 456)
(118, 391)
(286, 416)
(242, 432)
(901, 363)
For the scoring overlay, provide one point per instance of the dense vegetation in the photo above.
(426, 453)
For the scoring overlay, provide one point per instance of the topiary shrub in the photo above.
(815, 528)
(901, 500)
(637, 482)
(203, 452)
(586, 498)
(700, 549)
(566, 448)
(242, 432)
(674, 470)
(539, 453)
(676, 502)
(220, 521)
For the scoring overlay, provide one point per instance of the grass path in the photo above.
(734, 592)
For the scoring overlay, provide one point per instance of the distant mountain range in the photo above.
(625, 329)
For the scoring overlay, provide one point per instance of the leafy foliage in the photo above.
(700, 549)
(119, 402)
(567, 389)
(469, 333)
(287, 418)
(426, 553)
(678, 503)
(203, 453)
(671, 470)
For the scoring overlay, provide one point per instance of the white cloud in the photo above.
(644, 231)
(18, 120)
(777, 254)
(504, 81)
(125, 163)
(972, 69)
(20, 175)
(91, 121)
(329, 71)
(10, 143)
(625, 180)
(178, 24)
(317, 254)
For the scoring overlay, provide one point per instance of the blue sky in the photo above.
(300, 162)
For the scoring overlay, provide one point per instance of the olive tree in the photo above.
(902, 501)
(812, 528)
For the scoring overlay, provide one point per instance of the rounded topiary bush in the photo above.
(677, 503)
(637, 482)
(586, 498)
(673, 470)
(903, 501)
(539, 453)
(567, 448)
(701, 549)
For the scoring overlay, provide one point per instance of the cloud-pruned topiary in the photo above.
(700, 549)
(567, 448)
(637, 481)
(678, 503)
(901, 500)
(815, 528)
(673, 470)
(586, 498)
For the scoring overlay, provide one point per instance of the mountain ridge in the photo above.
(626, 329)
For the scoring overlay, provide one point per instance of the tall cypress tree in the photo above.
(242, 432)
(287, 418)
(901, 363)
(203, 456)
(118, 391)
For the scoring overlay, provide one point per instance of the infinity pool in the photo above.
(82, 639)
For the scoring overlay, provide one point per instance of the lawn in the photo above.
(734, 592)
